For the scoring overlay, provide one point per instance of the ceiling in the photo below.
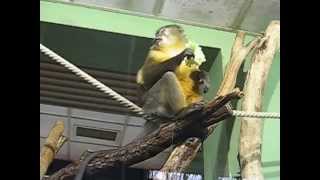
(248, 15)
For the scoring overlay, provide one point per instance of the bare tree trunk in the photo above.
(53, 143)
(251, 128)
(182, 155)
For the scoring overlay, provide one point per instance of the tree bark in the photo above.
(251, 128)
(182, 155)
(238, 54)
(53, 143)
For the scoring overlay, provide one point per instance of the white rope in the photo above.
(131, 106)
(271, 115)
(114, 95)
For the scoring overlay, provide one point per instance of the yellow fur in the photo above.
(182, 72)
(161, 53)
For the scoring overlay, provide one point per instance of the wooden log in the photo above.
(251, 128)
(53, 143)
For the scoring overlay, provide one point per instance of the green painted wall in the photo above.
(271, 134)
(220, 149)
(102, 50)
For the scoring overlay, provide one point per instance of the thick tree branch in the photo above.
(251, 128)
(192, 125)
(183, 154)
(238, 54)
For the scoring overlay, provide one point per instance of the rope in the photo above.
(271, 115)
(122, 100)
(114, 95)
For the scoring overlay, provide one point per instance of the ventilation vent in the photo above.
(97, 134)
(59, 86)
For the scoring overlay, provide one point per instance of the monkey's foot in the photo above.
(189, 109)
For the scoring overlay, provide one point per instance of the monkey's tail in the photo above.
(83, 166)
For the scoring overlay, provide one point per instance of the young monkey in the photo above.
(168, 84)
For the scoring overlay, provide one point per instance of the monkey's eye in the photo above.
(156, 40)
(201, 81)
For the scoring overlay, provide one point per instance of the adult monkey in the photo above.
(169, 84)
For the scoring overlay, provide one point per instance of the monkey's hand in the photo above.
(199, 56)
(189, 57)
(188, 53)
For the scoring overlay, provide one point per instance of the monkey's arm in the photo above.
(153, 70)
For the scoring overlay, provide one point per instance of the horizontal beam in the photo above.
(124, 22)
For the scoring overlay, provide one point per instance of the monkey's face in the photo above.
(201, 81)
(203, 86)
(169, 36)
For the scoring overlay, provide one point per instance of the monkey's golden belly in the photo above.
(190, 95)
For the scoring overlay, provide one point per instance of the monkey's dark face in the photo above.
(170, 35)
(203, 86)
(202, 81)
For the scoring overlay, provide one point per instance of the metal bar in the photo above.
(97, 73)
(77, 91)
(88, 106)
(68, 81)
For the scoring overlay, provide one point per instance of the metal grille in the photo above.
(59, 86)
